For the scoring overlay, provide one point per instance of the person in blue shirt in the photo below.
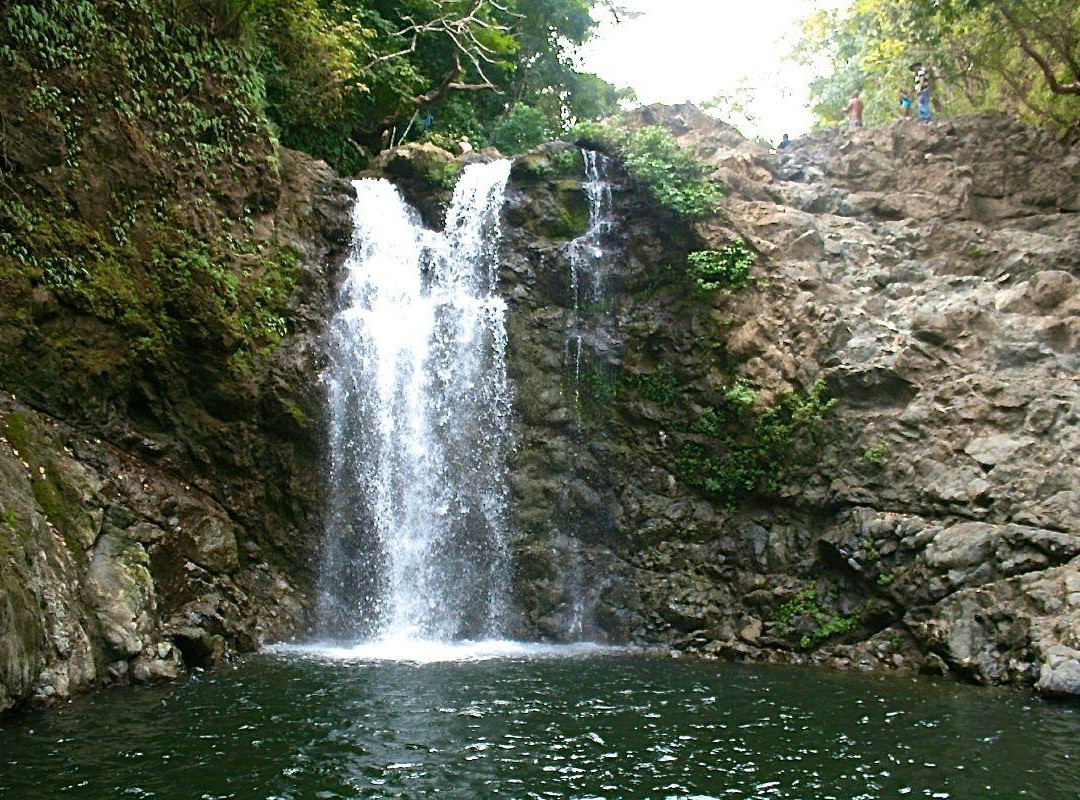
(905, 104)
(922, 90)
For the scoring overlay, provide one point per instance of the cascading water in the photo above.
(589, 266)
(416, 540)
(590, 257)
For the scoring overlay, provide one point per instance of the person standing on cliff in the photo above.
(854, 110)
(905, 104)
(922, 90)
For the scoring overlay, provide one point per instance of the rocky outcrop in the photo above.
(166, 273)
(929, 275)
(167, 530)
(160, 507)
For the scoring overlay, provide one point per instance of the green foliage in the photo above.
(743, 450)
(876, 453)
(727, 269)
(170, 288)
(158, 66)
(805, 605)
(741, 395)
(341, 75)
(599, 383)
(975, 50)
(675, 179)
(660, 387)
(522, 129)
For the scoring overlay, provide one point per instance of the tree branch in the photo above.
(1047, 69)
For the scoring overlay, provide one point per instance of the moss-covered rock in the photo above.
(166, 271)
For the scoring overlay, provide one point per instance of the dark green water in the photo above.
(294, 727)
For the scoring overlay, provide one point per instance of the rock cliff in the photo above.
(928, 275)
(166, 270)
(866, 457)
(170, 515)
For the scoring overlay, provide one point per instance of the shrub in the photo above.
(652, 157)
(746, 450)
(876, 453)
(727, 269)
(522, 129)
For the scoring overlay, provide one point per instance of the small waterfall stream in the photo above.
(586, 254)
(591, 269)
(416, 540)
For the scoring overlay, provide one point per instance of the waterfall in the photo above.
(588, 267)
(591, 262)
(419, 403)
(586, 255)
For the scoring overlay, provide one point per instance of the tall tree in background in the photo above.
(345, 77)
(1019, 56)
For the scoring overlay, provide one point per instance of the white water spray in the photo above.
(416, 541)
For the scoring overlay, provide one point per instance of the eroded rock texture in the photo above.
(929, 275)
(156, 518)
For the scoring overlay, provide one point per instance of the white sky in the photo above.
(680, 50)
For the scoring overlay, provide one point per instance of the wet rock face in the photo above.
(146, 533)
(112, 567)
(929, 275)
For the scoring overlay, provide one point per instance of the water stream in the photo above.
(416, 544)
(592, 262)
(590, 258)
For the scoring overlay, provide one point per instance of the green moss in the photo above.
(562, 222)
(51, 500)
(444, 175)
(168, 287)
(59, 506)
(17, 432)
(294, 410)
(548, 165)
(10, 518)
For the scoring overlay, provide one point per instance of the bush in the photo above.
(745, 450)
(727, 269)
(652, 157)
(522, 129)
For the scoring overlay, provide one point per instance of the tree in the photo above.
(1020, 56)
(345, 78)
